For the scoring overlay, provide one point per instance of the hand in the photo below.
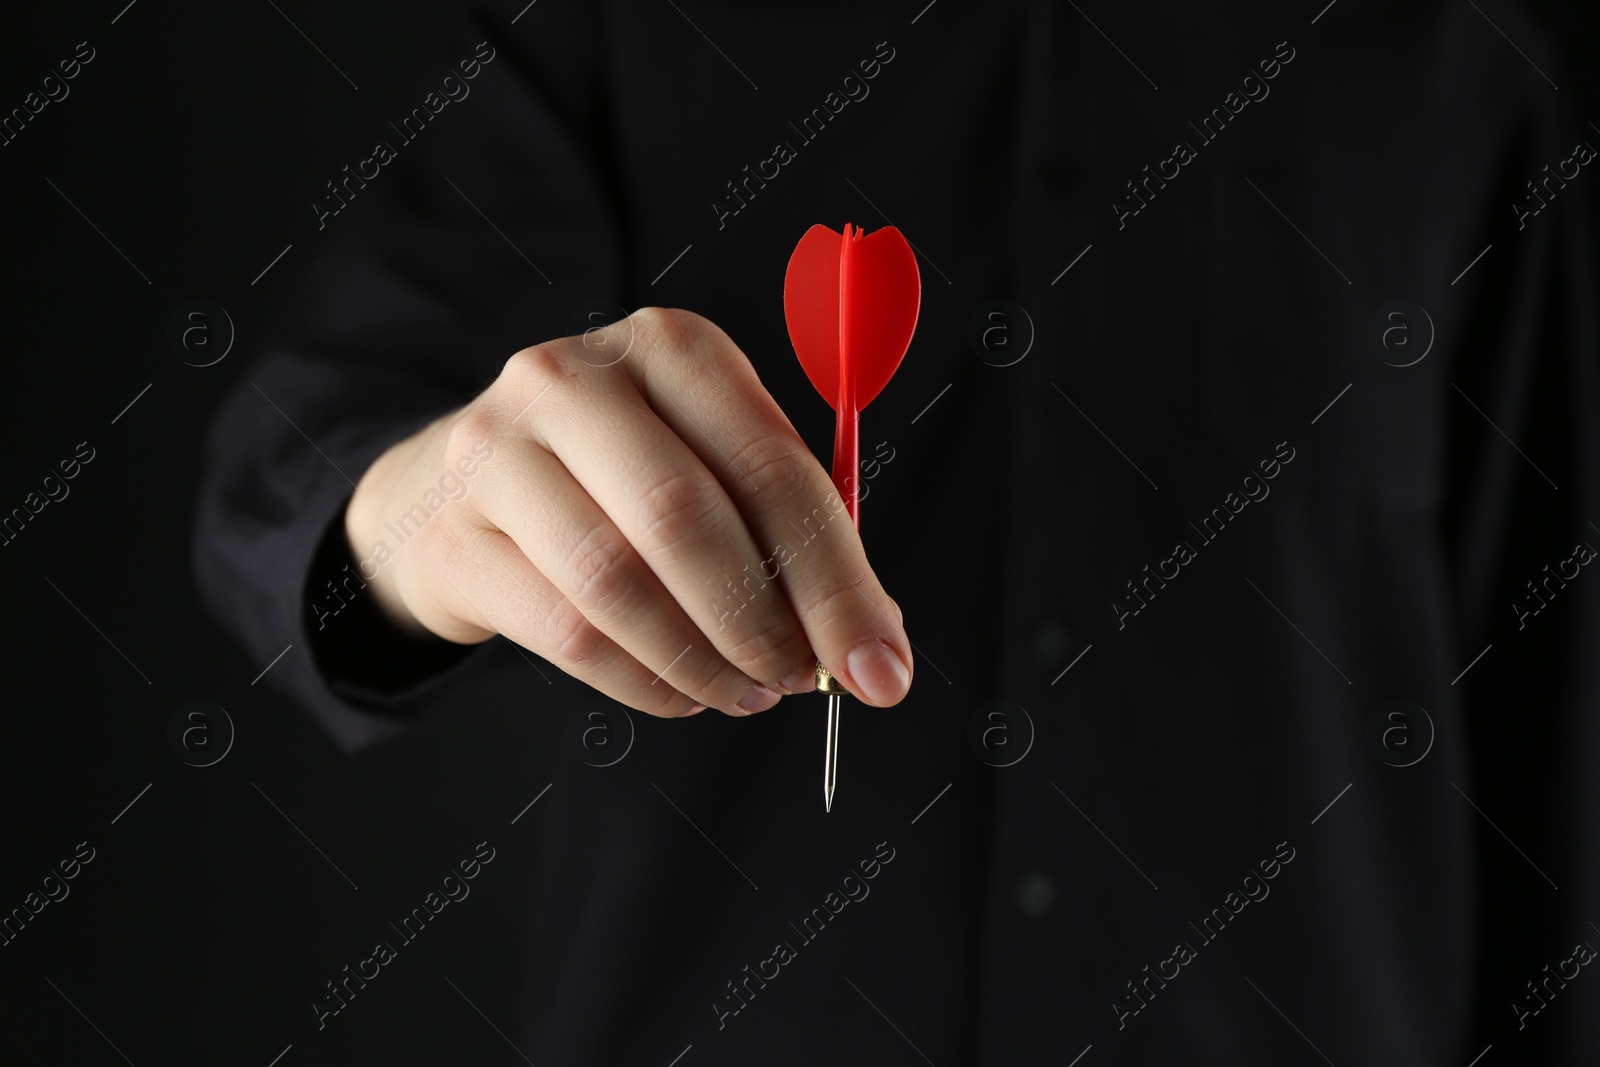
(633, 506)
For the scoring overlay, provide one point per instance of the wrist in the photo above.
(374, 542)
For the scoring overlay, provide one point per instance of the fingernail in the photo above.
(876, 668)
(697, 709)
(760, 698)
(802, 681)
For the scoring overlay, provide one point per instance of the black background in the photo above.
(196, 141)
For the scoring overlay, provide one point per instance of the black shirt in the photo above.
(1238, 726)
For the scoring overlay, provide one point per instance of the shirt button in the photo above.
(1049, 643)
(1034, 894)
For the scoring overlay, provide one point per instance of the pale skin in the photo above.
(636, 471)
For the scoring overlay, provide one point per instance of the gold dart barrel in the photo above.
(826, 682)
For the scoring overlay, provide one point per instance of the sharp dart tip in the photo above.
(830, 761)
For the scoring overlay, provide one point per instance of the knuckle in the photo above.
(604, 570)
(445, 548)
(877, 606)
(705, 679)
(820, 520)
(678, 330)
(699, 352)
(846, 607)
(667, 322)
(773, 462)
(532, 369)
(677, 508)
(651, 316)
(838, 605)
(768, 651)
(575, 641)
(453, 547)
(658, 325)
(663, 701)
(470, 433)
(442, 550)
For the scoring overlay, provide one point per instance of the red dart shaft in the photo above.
(847, 424)
(846, 458)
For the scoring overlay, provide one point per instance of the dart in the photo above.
(851, 304)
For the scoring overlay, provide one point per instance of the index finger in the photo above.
(700, 383)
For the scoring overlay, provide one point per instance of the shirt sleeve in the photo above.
(472, 226)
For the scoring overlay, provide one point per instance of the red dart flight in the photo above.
(851, 303)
